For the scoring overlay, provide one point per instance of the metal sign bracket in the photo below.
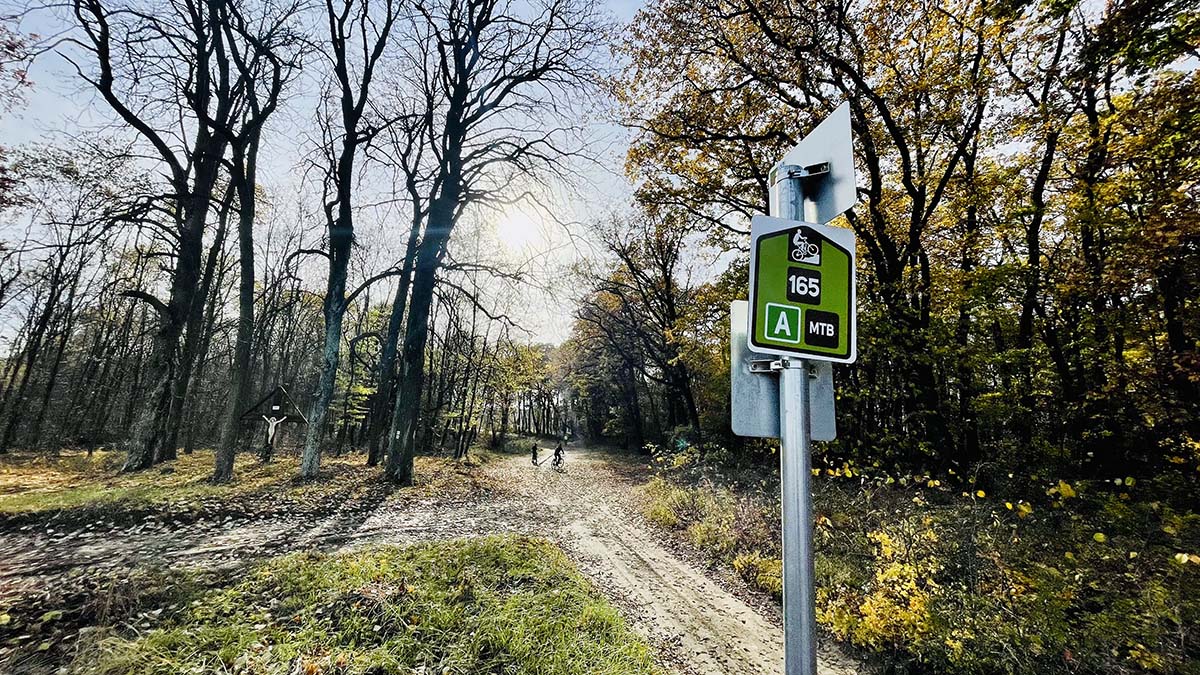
(773, 366)
(793, 171)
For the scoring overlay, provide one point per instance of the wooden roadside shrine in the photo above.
(275, 408)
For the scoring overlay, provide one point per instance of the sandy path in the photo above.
(36, 558)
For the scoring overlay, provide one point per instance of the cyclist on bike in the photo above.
(802, 248)
(558, 455)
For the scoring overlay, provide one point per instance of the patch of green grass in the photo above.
(494, 605)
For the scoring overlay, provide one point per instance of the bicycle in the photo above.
(803, 248)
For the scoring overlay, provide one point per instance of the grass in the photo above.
(33, 484)
(511, 605)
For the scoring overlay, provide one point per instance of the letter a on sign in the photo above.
(783, 323)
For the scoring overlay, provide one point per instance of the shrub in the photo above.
(713, 536)
(937, 574)
(761, 572)
(662, 515)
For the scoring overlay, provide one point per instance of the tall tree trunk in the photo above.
(334, 312)
(83, 387)
(1032, 290)
(135, 360)
(240, 377)
(386, 377)
(153, 430)
(52, 378)
(15, 407)
(405, 418)
(501, 437)
(341, 237)
(634, 410)
(198, 410)
(194, 332)
(968, 438)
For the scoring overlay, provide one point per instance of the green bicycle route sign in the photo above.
(802, 295)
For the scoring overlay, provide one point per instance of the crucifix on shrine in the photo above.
(275, 409)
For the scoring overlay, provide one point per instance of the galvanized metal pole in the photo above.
(799, 609)
(795, 445)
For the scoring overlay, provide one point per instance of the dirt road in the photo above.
(589, 509)
(698, 625)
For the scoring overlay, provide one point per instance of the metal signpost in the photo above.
(802, 310)
(756, 398)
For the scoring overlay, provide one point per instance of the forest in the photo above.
(453, 229)
(155, 287)
(1026, 224)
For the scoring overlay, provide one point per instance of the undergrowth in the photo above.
(935, 574)
(74, 485)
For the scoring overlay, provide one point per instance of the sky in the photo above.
(546, 241)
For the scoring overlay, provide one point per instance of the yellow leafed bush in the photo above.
(763, 572)
(1006, 584)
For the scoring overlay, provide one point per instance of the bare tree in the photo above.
(267, 52)
(405, 152)
(359, 31)
(164, 71)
